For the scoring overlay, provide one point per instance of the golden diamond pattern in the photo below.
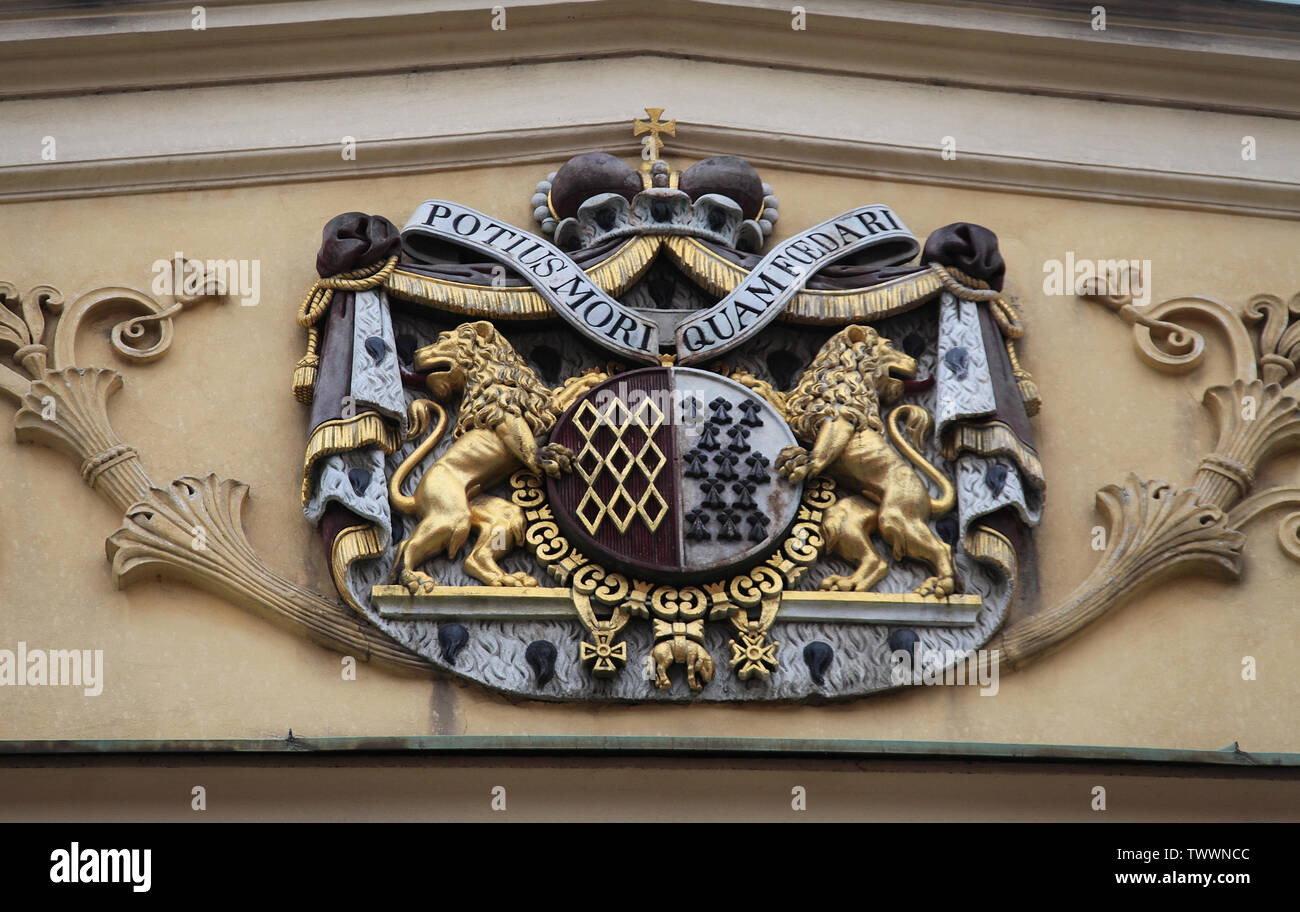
(589, 503)
(652, 500)
(620, 509)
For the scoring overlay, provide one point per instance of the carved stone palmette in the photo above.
(67, 410)
(1154, 530)
(1279, 335)
(1157, 530)
(1254, 420)
(192, 531)
(25, 328)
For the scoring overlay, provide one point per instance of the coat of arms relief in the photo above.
(640, 451)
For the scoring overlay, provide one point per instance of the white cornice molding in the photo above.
(233, 135)
(1206, 192)
(426, 120)
(382, 158)
(1240, 56)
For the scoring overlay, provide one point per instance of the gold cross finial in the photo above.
(652, 144)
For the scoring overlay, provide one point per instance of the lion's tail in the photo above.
(421, 409)
(911, 440)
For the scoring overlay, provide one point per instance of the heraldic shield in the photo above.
(672, 475)
(640, 454)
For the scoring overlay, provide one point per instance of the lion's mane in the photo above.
(498, 383)
(840, 383)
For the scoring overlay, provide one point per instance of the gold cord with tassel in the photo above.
(316, 304)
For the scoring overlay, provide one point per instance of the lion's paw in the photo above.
(553, 459)
(497, 577)
(937, 586)
(418, 582)
(838, 583)
(794, 463)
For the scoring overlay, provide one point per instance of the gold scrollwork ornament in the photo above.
(677, 613)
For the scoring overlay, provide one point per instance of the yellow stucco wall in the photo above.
(1162, 671)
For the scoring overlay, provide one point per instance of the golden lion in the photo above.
(504, 409)
(835, 408)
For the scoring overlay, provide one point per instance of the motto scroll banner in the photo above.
(783, 272)
(556, 277)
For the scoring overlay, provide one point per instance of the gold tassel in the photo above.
(304, 379)
(1025, 383)
(1029, 393)
(314, 306)
(307, 370)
